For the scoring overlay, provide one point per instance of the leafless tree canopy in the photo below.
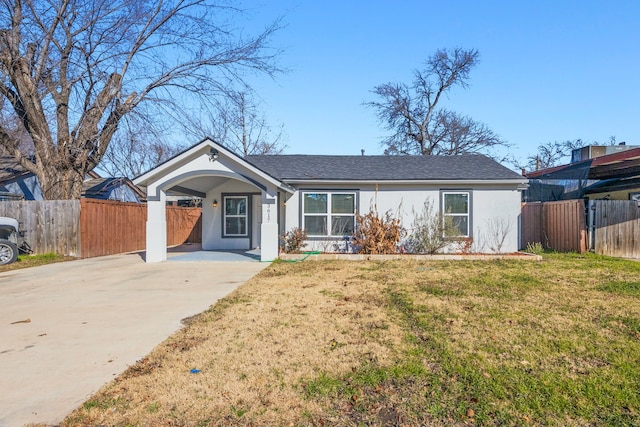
(70, 70)
(238, 123)
(555, 153)
(413, 115)
(137, 148)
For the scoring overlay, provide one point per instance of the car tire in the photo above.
(8, 252)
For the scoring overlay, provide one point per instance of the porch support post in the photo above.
(269, 227)
(157, 228)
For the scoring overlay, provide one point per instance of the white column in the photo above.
(269, 228)
(157, 227)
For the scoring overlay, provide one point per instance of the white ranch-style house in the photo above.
(248, 202)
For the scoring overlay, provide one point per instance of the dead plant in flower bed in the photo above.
(293, 241)
(376, 234)
(484, 343)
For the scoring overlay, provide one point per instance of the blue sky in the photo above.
(548, 71)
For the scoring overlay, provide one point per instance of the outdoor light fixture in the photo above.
(213, 155)
(215, 203)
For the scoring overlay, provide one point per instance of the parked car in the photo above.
(10, 240)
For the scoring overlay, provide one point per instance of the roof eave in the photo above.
(144, 179)
(411, 181)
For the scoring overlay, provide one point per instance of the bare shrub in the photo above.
(479, 241)
(497, 231)
(294, 240)
(430, 230)
(465, 245)
(377, 234)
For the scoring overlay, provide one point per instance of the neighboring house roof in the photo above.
(619, 171)
(24, 184)
(106, 188)
(10, 169)
(469, 167)
(624, 164)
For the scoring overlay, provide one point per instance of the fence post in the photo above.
(591, 226)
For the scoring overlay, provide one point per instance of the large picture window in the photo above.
(328, 214)
(235, 216)
(455, 208)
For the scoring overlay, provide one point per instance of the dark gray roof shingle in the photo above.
(382, 168)
(10, 168)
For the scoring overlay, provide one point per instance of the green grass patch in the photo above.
(26, 261)
(322, 386)
(504, 343)
(105, 403)
(238, 411)
(621, 287)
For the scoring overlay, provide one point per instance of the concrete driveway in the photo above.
(67, 329)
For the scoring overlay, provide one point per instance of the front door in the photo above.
(256, 221)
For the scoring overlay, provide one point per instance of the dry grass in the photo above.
(398, 343)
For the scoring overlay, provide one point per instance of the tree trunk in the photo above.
(60, 183)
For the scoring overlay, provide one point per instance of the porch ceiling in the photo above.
(199, 186)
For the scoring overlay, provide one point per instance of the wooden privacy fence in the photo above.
(560, 226)
(88, 227)
(183, 225)
(51, 226)
(616, 227)
(109, 227)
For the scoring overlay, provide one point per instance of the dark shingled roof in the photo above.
(382, 168)
(10, 168)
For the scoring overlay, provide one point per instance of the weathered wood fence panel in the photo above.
(50, 226)
(560, 226)
(617, 228)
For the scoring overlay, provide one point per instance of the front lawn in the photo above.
(334, 343)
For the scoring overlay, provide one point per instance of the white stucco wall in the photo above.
(212, 216)
(496, 213)
(494, 209)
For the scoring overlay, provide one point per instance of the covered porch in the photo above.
(240, 203)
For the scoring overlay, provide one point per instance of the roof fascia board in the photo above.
(409, 181)
(197, 150)
(242, 162)
(177, 159)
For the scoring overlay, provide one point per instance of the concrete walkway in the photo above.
(67, 329)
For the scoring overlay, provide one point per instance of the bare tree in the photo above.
(14, 129)
(136, 148)
(555, 153)
(413, 115)
(239, 124)
(73, 69)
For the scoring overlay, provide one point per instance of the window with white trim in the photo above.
(235, 216)
(455, 206)
(326, 214)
